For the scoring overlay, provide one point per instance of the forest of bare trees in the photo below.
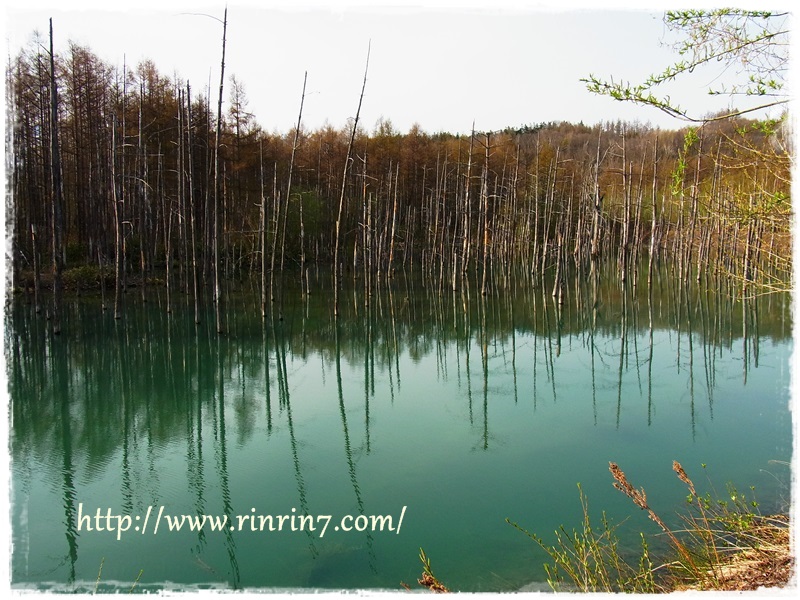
(124, 177)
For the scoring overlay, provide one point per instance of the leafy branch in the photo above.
(755, 41)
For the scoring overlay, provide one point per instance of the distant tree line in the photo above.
(135, 189)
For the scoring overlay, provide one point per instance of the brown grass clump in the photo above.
(432, 584)
(428, 579)
(766, 564)
(738, 548)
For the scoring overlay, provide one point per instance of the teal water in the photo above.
(462, 409)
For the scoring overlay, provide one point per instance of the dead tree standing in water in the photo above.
(336, 267)
(57, 194)
(289, 188)
(215, 241)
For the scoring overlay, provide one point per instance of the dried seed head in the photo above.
(638, 496)
(676, 466)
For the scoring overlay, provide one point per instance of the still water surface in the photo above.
(464, 410)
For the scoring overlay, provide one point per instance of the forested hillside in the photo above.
(122, 159)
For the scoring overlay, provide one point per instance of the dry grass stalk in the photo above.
(676, 466)
(640, 499)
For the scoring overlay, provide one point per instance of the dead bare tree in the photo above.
(217, 181)
(337, 242)
(289, 185)
(115, 200)
(57, 193)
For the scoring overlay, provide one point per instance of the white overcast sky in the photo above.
(439, 64)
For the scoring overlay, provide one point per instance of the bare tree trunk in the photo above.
(485, 214)
(535, 249)
(390, 266)
(653, 216)
(276, 215)
(123, 179)
(365, 224)
(191, 202)
(626, 214)
(36, 267)
(336, 267)
(512, 230)
(548, 209)
(57, 195)
(695, 212)
(598, 199)
(207, 220)
(141, 159)
(303, 275)
(440, 208)
(637, 223)
(167, 217)
(747, 271)
(179, 187)
(263, 232)
(465, 249)
(289, 188)
(215, 240)
(117, 224)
